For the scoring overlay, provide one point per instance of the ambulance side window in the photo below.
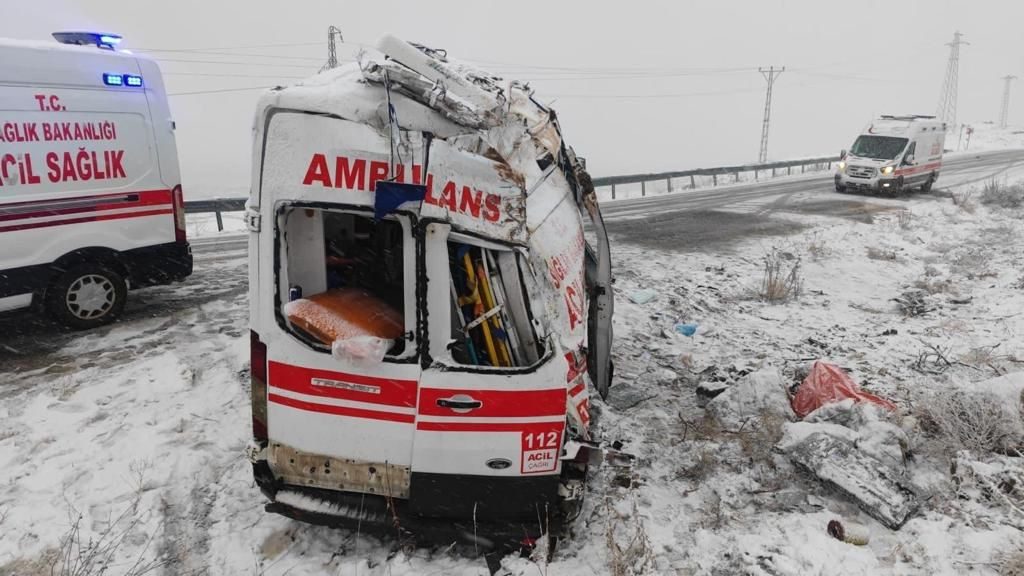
(491, 321)
(343, 282)
(910, 152)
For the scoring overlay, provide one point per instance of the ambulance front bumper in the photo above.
(875, 184)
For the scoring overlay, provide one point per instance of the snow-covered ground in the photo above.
(127, 444)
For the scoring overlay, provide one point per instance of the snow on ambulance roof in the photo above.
(345, 92)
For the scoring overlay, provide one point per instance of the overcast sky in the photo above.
(640, 86)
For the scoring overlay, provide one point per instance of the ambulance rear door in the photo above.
(332, 421)
(491, 411)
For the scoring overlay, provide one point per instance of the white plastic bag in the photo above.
(361, 350)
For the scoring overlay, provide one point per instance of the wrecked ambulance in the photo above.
(427, 316)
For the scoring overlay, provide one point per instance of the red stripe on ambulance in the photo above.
(83, 204)
(328, 384)
(340, 410)
(496, 403)
(97, 218)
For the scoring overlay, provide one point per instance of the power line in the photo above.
(237, 63)
(1004, 114)
(947, 98)
(248, 47)
(229, 75)
(246, 89)
(771, 75)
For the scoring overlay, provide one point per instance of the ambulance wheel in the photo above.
(86, 296)
(928, 184)
(840, 188)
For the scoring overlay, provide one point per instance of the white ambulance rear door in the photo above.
(312, 165)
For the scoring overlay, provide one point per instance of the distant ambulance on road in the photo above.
(90, 192)
(895, 153)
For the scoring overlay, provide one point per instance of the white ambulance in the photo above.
(895, 153)
(90, 193)
(427, 316)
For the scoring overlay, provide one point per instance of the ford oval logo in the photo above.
(499, 463)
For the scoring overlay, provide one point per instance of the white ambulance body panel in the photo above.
(894, 153)
(88, 170)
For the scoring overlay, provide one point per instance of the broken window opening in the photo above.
(491, 324)
(343, 276)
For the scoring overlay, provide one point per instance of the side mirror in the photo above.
(842, 155)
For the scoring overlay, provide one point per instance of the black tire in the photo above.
(840, 188)
(927, 187)
(86, 296)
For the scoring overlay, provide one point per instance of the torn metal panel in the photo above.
(882, 490)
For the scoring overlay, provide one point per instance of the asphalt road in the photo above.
(713, 219)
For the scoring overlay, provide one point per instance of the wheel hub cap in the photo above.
(90, 296)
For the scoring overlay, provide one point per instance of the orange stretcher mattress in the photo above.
(345, 313)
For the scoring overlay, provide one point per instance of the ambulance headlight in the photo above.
(841, 166)
(886, 170)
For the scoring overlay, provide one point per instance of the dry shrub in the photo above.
(904, 218)
(876, 253)
(933, 285)
(964, 199)
(41, 565)
(633, 556)
(783, 280)
(975, 421)
(817, 247)
(1003, 195)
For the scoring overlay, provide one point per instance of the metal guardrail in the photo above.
(714, 173)
(220, 205)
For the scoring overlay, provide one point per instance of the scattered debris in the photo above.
(831, 453)
(914, 303)
(961, 299)
(890, 332)
(686, 329)
(856, 534)
(826, 384)
(758, 394)
(710, 389)
(643, 296)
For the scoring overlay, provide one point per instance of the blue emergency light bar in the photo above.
(130, 80)
(108, 41)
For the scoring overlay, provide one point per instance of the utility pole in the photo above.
(1004, 114)
(947, 98)
(770, 74)
(332, 55)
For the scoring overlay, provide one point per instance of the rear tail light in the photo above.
(179, 214)
(258, 371)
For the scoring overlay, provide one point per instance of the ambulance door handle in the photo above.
(460, 403)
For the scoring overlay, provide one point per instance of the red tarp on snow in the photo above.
(827, 383)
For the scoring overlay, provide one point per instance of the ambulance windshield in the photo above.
(878, 147)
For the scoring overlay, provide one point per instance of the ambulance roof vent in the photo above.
(98, 39)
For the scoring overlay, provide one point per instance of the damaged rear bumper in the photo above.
(381, 516)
